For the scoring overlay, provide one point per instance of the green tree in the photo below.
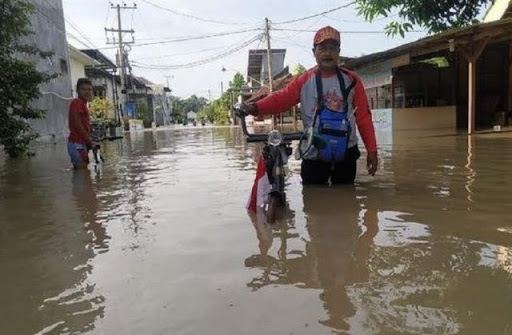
(194, 103)
(178, 109)
(219, 111)
(237, 82)
(182, 106)
(433, 15)
(101, 109)
(235, 88)
(19, 80)
(144, 114)
(298, 69)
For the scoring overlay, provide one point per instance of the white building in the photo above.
(78, 61)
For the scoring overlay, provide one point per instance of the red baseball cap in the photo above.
(326, 33)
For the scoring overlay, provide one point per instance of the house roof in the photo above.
(98, 72)
(144, 81)
(81, 56)
(139, 82)
(97, 55)
(256, 59)
(499, 30)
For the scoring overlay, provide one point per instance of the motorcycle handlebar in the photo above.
(251, 138)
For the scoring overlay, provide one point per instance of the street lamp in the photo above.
(221, 82)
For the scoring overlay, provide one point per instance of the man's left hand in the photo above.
(372, 162)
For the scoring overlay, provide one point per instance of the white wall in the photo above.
(77, 71)
(425, 118)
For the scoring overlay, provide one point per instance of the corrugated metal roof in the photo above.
(256, 59)
(97, 55)
(501, 28)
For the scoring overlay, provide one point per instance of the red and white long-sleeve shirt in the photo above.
(303, 89)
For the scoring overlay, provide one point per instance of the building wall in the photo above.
(50, 35)
(424, 118)
(77, 71)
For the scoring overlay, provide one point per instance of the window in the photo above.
(63, 66)
(379, 97)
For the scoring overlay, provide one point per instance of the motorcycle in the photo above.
(276, 150)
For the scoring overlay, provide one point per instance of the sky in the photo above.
(161, 21)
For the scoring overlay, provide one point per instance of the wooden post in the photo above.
(510, 77)
(294, 113)
(472, 53)
(471, 96)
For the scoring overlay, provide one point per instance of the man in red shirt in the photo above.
(79, 140)
(333, 101)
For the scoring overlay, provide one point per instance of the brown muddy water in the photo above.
(159, 241)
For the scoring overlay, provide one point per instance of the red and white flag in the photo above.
(260, 189)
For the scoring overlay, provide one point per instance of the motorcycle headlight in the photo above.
(275, 138)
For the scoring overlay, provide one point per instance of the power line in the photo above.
(319, 14)
(191, 16)
(290, 36)
(347, 31)
(165, 38)
(61, 29)
(356, 21)
(198, 51)
(91, 45)
(288, 41)
(200, 62)
(143, 23)
(49, 19)
(190, 38)
(79, 41)
(131, 24)
(80, 33)
(259, 43)
(108, 13)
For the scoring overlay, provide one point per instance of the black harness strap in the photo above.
(345, 91)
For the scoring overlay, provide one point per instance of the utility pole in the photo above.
(269, 59)
(170, 95)
(269, 56)
(120, 43)
(167, 78)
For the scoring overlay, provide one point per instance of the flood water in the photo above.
(159, 241)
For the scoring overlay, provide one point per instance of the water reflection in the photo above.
(86, 200)
(471, 173)
(341, 232)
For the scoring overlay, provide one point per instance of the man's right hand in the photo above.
(372, 163)
(250, 109)
(91, 145)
